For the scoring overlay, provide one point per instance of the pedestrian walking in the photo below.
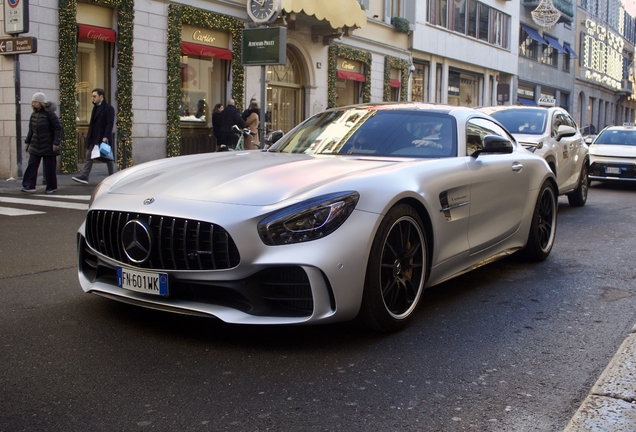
(43, 143)
(247, 111)
(229, 117)
(216, 122)
(100, 129)
(252, 121)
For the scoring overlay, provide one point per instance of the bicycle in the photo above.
(239, 145)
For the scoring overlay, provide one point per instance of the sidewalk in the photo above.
(611, 404)
(609, 407)
(65, 184)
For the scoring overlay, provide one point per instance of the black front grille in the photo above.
(176, 243)
(628, 171)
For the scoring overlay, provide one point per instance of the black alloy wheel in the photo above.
(396, 271)
(543, 227)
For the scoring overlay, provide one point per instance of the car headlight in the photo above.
(309, 220)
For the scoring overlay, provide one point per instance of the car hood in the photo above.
(245, 178)
(613, 150)
(528, 139)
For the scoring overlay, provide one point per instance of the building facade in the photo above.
(604, 83)
(165, 65)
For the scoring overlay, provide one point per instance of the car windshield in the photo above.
(617, 137)
(377, 132)
(525, 121)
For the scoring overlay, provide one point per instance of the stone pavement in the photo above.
(611, 404)
(609, 407)
(65, 185)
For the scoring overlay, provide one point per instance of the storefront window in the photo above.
(462, 89)
(202, 86)
(92, 72)
(350, 82)
(419, 78)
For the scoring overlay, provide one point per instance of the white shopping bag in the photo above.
(95, 154)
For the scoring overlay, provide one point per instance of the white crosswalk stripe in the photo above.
(8, 211)
(53, 202)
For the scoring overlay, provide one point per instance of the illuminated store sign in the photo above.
(601, 55)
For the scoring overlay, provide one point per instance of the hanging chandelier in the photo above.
(546, 14)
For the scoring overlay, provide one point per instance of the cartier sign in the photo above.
(349, 65)
(204, 36)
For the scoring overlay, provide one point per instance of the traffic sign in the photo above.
(16, 16)
(18, 45)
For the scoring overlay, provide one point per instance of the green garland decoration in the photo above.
(178, 16)
(341, 51)
(68, 79)
(395, 63)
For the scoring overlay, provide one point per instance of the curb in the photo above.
(611, 404)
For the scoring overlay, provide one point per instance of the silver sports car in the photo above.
(351, 214)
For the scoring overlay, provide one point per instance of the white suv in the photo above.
(550, 132)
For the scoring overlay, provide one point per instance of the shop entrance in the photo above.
(285, 95)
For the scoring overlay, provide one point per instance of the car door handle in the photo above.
(517, 167)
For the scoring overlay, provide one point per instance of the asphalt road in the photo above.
(509, 347)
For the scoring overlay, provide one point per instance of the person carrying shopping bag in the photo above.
(100, 130)
(43, 143)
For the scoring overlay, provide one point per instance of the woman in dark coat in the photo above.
(43, 142)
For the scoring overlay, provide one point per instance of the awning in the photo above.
(338, 13)
(352, 76)
(527, 102)
(205, 51)
(534, 34)
(97, 33)
(555, 43)
(569, 49)
(395, 83)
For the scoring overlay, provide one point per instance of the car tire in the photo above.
(543, 226)
(578, 197)
(396, 271)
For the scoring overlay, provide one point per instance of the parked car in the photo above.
(551, 133)
(613, 154)
(351, 214)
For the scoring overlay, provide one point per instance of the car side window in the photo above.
(477, 128)
(570, 121)
(557, 121)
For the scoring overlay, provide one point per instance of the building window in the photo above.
(419, 83)
(549, 55)
(459, 22)
(528, 47)
(472, 18)
(566, 58)
(396, 9)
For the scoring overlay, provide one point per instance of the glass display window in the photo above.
(202, 86)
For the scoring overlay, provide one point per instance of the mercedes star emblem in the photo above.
(136, 241)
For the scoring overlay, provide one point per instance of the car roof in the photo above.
(493, 109)
(622, 128)
(439, 108)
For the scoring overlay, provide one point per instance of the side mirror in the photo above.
(589, 140)
(565, 131)
(494, 144)
(274, 136)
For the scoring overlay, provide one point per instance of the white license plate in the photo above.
(612, 170)
(142, 281)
